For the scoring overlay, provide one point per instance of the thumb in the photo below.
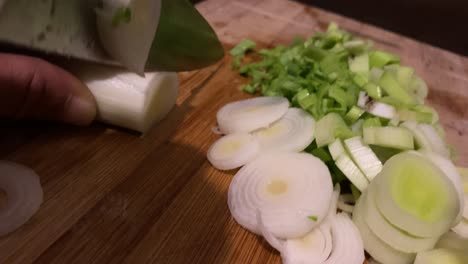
(31, 88)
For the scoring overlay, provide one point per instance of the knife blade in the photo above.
(184, 39)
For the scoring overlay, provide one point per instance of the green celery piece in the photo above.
(372, 122)
(307, 101)
(425, 109)
(373, 90)
(391, 86)
(360, 63)
(248, 88)
(184, 40)
(420, 117)
(332, 63)
(337, 175)
(300, 95)
(344, 98)
(242, 47)
(314, 53)
(330, 127)
(322, 153)
(353, 114)
(355, 192)
(403, 74)
(313, 218)
(361, 79)
(380, 58)
(384, 153)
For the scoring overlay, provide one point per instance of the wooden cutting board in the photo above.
(112, 196)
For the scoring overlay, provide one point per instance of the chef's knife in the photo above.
(184, 40)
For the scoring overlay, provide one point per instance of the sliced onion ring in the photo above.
(24, 196)
(348, 246)
(287, 189)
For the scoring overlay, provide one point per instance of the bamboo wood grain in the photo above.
(112, 196)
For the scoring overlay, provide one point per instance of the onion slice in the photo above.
(348, 246)
(251, 114)
(293, 132)
(24, 196)
(233, 150)
(289, 189)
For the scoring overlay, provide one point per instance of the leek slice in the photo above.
(393, 236)
(293, 132)
(442, 255)
(452, 240)
(364, 157)
(251, 114)
(233, 150)
(129, 100)
(449, 169)
(392, 137)
(286, 188)
(378, 249)
(416, 196)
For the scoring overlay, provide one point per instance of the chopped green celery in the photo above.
(391, 101)
(351, 171)
(248, 88)
(307, 101)
(361, 79)
(420, 117)
(403, 74)
(336, 174)
(380, 58)
(330, 127)
(427, 110)
(384, 153)
(356, 46)
(375, 74)
(373, 90)
(363, 156)
(359, 63)
(394, 89)
(300, 95)
(372, 122)
(354, 114)
(314, 53)
(355, 192)
(322, 153)
(418, 89)
(242, 47)
(391, 137)
(332, 63)
(344, 98)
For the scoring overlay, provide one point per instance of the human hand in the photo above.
(31, 88)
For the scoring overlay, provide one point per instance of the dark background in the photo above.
(442, 23)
